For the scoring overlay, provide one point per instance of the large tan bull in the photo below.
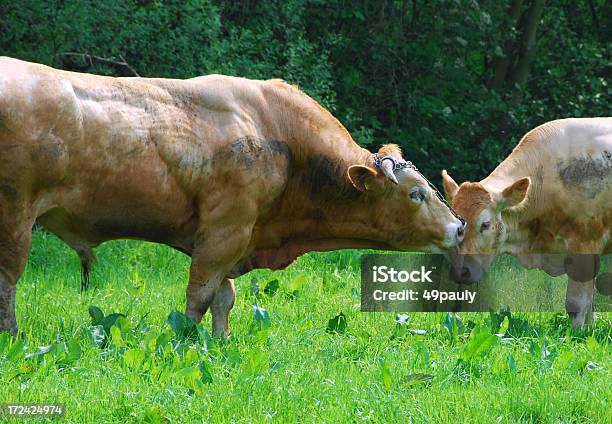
(238, 174)
(552, 195)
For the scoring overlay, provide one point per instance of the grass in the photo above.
(281, 365)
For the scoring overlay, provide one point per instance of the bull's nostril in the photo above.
(460, 232)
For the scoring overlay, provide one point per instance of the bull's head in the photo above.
(486, 230)
(408, 208)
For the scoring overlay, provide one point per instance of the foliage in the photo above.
(422, 74)
(290, 358)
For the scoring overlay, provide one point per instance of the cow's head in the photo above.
(407, 207)
(485, 232)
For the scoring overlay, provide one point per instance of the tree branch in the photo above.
(91, 58)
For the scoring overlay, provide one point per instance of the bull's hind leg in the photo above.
(221, 307)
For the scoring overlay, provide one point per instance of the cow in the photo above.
(238, 174)
(549, 203)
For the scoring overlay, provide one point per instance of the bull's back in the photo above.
(131, 157)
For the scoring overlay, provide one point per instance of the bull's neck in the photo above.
(319, 202)
(311, 131)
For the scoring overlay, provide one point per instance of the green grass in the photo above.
(292, 370)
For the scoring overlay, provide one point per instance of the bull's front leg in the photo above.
(208, 286)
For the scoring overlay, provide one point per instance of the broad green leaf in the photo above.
(122, 323)
(163, 339)
(16, 351)
(386, 376)
(296, 284)
(191, 378)
(189, 373)
(5, 339)
(109, 321)
(149, 340)
(22, 370)
(191, 357)
(116, 337)
(134, 358)
(206, 373)
(96, 314)
(73, 350)
(480, 343)
(271, 287)
(182, 325)
(337, 324)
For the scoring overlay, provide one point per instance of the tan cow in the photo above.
(552, 195)
(238, 174)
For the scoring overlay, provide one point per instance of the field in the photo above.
(290, 358)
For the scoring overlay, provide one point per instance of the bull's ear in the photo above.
(450, 186)
(515, 193)
(364, 178)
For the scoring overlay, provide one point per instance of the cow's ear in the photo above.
(450, 186)
(364, 178)
(515, 193)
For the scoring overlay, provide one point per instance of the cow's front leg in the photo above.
(579, 302)
(208, 286)
(582, 270)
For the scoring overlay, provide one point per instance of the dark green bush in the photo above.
(423, 74)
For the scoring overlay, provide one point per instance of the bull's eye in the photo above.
(417, 195)
(485, 226)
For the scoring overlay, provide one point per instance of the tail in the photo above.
(88, 258)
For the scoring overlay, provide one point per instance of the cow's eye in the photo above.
(417, 195)
(485, 226)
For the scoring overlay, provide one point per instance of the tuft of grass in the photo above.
(300, 351)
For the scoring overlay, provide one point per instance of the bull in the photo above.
(238, 174)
